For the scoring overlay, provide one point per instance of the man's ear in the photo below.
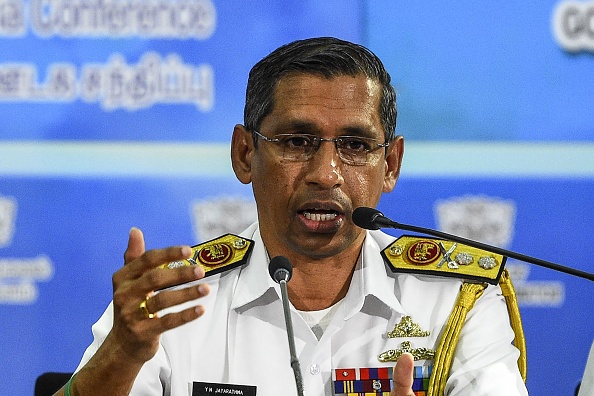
(242, 148)
(393, 163)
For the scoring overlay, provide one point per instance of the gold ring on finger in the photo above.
(144, 309)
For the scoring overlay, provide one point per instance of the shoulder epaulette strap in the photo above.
(219, 254)
(516, 321)
(444, 354)
(431, 256)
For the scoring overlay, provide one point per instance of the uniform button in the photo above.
(314, 369)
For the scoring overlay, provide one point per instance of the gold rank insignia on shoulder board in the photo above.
(218, 255)
(432, 256)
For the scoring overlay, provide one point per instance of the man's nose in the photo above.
(324, 167)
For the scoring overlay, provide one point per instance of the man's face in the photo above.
(305, 208)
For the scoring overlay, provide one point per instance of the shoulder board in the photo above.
(432, 256)
(219, 254)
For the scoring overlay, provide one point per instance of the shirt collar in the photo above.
(254, 280)
(371, 276)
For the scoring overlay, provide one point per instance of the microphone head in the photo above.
(280, 268)
(365, 218)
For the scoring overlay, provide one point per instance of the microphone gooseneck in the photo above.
(373, 219)
(281, 270)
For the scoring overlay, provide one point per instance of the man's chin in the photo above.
(320, 245)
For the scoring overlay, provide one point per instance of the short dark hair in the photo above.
(325, 56)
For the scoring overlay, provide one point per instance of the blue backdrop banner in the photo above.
(118, 113)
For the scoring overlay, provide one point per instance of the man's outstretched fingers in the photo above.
(170, 298)
(151, 260)
(160, 324)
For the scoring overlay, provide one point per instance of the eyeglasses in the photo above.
(300, 147)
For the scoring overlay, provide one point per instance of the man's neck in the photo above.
(322, 279)
(318, 284)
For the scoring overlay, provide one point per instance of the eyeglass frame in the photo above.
(317, 141)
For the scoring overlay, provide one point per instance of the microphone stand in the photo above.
(281, 270)
(383, 221)
(289, 323)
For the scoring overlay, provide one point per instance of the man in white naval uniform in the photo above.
(318, 142)
(242, 332)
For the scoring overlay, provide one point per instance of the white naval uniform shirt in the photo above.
(241, 338)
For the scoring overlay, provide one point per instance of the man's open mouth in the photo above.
(320, 215)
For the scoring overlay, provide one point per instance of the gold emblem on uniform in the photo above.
(432, 256)
(392, 355)
(407, 328)
(423, 252)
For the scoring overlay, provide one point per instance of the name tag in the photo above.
(211, 389)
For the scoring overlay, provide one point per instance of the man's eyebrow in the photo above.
(298, 125)
(303, 126)
(356, 130)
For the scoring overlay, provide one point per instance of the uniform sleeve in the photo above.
(100, 330)
(486, 361)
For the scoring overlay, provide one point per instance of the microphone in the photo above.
(373, 219)
(281, 270)
(370, 219)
